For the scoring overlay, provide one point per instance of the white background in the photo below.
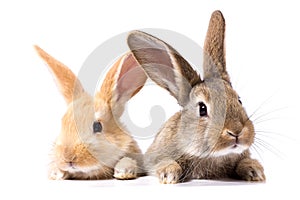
(262, 41)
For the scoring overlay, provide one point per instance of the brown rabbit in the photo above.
(210, 137)
(92, 143)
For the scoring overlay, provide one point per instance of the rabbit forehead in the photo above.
(199, 93)
(216, 92)
(102, 110)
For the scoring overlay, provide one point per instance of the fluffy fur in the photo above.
(190, 145)
(78, 152)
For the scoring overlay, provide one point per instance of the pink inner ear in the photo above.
(131, 78)
(128, 64)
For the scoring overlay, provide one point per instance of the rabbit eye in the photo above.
(240, 101)
(202, 109)
(97, 127)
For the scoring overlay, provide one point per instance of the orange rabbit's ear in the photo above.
(131, 78)
(122, 82)
(68, 84)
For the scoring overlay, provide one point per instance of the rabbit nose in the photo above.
(71, 164)
(233, 134)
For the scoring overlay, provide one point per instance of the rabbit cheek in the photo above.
(247, 137)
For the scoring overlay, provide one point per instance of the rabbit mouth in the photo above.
(73, 167)
(234, 148)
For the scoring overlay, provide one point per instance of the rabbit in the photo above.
(210, 137)
(93, 144)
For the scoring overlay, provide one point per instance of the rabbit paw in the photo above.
(126, 168)
(169, 172)
(250, 170)
(56, 174)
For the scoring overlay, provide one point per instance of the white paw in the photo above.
(126, 168)
(56, 174)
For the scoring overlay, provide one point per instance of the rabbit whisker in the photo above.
(272, 135)
(268, 146)
(258, 117)
(257, 149)
(260, 106)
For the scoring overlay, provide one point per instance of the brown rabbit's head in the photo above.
(213, 121)
(91, 140)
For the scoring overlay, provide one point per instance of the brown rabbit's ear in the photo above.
(122, 81)
(163, 64)
(68, 84)
(214, 64)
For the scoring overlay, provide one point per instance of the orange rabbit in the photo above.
(92, 143)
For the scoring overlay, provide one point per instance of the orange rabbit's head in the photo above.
(92, 139)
